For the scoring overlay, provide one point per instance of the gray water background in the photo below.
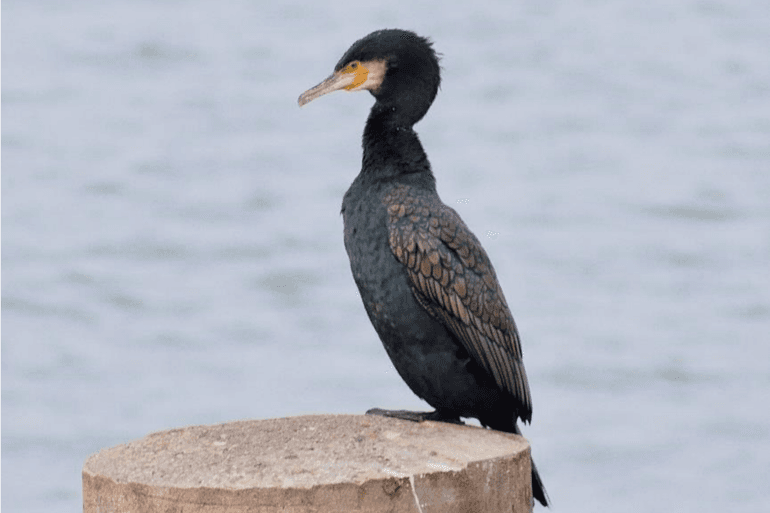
(172, 245)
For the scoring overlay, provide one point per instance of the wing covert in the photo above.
(453, 279)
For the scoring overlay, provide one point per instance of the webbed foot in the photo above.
(417, 416)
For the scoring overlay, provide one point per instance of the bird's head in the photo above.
(397, 66)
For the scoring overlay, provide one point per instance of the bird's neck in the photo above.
(391, 146)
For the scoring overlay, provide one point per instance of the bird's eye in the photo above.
(353, 65)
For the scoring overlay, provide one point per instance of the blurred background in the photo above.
(172, 244)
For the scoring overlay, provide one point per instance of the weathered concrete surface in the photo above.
(319, 463)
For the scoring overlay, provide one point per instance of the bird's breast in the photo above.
(382, 280)
(366, 242)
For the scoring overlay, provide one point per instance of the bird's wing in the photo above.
(452, 277)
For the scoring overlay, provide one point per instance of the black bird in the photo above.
(426, 282)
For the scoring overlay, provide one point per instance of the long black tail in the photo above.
(538, 489)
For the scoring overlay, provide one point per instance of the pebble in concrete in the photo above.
(318, 463)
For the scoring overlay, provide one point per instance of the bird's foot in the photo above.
(416, 416)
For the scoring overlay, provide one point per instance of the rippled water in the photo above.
(172, 248)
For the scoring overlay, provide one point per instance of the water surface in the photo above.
(172, 246)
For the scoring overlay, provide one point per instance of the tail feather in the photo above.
(538, 490)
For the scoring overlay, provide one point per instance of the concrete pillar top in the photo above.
(211, 464)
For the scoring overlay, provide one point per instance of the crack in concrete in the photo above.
(414, 492)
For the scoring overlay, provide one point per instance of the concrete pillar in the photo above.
(316, 463)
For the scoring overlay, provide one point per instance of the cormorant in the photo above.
(427, 284)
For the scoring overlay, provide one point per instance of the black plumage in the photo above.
(426, 282)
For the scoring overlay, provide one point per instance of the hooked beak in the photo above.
(336, 81)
